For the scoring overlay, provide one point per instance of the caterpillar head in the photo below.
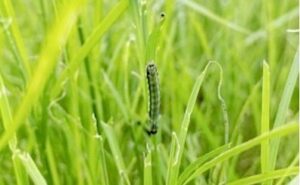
(151, 69)
(152, 130)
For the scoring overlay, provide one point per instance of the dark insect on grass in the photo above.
(154, 97)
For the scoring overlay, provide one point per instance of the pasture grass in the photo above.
(73, 93)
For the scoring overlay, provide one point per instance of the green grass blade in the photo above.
(116, 95)
(174, 169)
(18, 40)
(52, 163)
(153, 40)
(103, 171)
(6, 114)
(196, 164)
(223, 104)
(283, 107)
(242, 113)
(207, 13)
(20, 173)
(295, 162)
(202, 36)
(31, 169)
(55, 40)
(260, 34)
(148, 168)
(90, 42)
(114, 146)
(136, 8)
(265, 119)
(173, 159)
(266, 176)
(278, 132)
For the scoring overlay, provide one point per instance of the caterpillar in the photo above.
(153, 97)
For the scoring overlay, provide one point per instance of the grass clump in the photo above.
(74, 101)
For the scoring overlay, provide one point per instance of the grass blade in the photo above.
(6, 114)
(266, 176)
(173, 159)
(278, 132)
(31, 169)
(116, 95)
(18, 37)
(19, 165)
(90, 42)
(176, 155)
(265, 119)
(260, 34)
(55, 40)
(207, 13)
(148, 168)
(295, 162)
(196, 164)
(115, 149)
(52, 163)
(21, 174)
(103, 171)
(283, 107)
(174, 170)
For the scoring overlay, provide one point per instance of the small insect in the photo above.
(153, 97)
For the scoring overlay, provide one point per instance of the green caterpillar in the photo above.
(154, 97)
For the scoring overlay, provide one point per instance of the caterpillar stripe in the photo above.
(153, 98)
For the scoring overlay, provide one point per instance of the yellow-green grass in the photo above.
(73, 93)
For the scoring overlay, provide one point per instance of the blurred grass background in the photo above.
(73, 96)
